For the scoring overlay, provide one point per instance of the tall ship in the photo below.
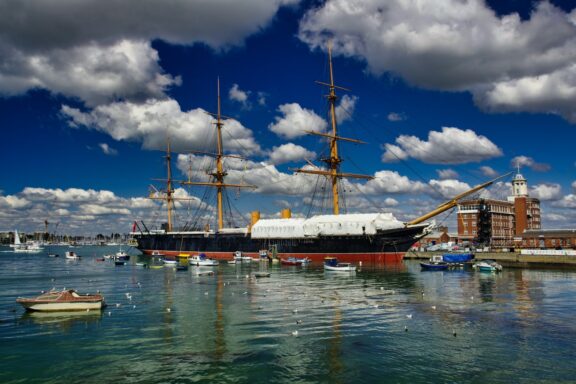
(368, 237)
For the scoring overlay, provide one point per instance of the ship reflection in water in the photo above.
(386, 324)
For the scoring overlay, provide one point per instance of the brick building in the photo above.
(499, 222)
(549, 238)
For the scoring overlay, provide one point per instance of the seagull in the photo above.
(409, 316)
(433, 307)
(375, 305)
(133, 307)
(109, 313)
(117, 305)
(405, 328)
(168, 309)
(295, 333)
(295, 311)
(298, 321)
(454, 332)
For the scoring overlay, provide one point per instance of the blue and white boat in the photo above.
(487, 266)
(436, 263)
(332, 264)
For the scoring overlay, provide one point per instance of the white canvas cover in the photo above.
(278, 229)
(353, 224)
(325, 225)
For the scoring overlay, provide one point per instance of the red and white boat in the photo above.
(295, 261)
(66, 300)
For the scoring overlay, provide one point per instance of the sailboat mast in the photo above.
(334, 160)
(169, 191)
(219, 174)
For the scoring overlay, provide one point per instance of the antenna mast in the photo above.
(333, 162)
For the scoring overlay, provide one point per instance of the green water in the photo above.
(382, 325)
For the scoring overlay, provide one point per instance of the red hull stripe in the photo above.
(376, 257)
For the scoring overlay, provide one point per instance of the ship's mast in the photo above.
(333, 162)
(169, 190)
(167, 196)
(220, 173)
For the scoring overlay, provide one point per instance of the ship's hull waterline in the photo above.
(389, 247)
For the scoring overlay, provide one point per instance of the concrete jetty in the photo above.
(518, 259)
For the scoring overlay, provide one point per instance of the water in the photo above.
(385, 325)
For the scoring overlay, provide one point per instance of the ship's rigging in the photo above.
(334, 160)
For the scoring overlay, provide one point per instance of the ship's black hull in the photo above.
(389, 246)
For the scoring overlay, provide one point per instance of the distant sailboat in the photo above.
(24, 248)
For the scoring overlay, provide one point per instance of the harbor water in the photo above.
(385, 324)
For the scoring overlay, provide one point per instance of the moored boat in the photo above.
(121, 255)
(66, 300)
(170, 263)
(202, 260)
(434, 266)
(295, 261)
(487, 266)
(436, 263)
(332, 264)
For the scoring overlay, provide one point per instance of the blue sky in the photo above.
(447, 94)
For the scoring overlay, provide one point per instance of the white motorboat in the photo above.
(170, 263)
(202, 261)
(72, 255)
(66, 300)
(332, 264)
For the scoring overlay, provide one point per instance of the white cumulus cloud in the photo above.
(295, 121)
(447, 174)
(450, 146)
(154, 121)
(458, 45)
(488, 171)
(546, 191)
(106, 149)
(290, 152)
(100, 51)
(238, 95)
(526, 161)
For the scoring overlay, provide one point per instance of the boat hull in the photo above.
(60, 307)
(382, 248)
(434, 267)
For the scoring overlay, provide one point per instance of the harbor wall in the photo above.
(512, 259)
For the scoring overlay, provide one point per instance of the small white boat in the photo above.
(157, 254)
(487, 266)
(72, 255)
(202, 261)
(170, 263)
(67, 300)
(332, 264)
